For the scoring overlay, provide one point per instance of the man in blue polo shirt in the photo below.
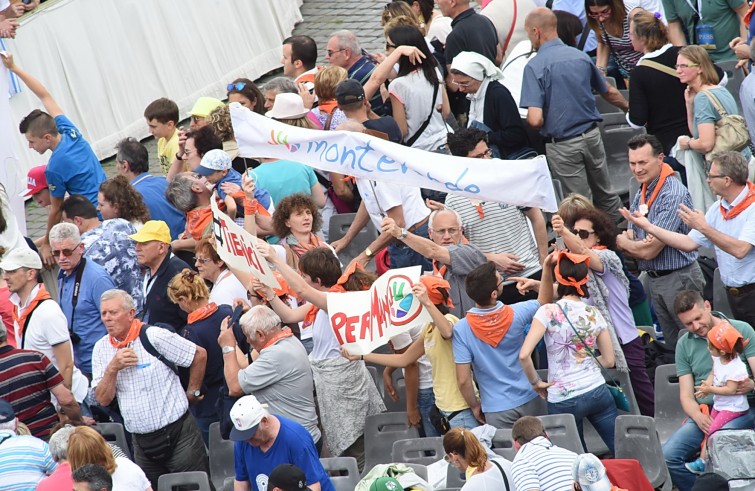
(487, 342)
(264, 441)
(568, 124)
(132, 161)
(73, 168)
(80, 285)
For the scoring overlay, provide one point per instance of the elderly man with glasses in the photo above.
(80, 284)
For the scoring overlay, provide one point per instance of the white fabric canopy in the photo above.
(104, 60)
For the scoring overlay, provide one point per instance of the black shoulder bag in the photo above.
(422, 128)
(75, 339)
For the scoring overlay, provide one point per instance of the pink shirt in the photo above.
(60, 479)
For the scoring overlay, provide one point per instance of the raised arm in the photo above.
(34, 85)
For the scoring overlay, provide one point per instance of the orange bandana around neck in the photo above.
(742, 205)
(202, 313)
(133, 333)
(491, 327)
(666, 171)
(570, 281)
(21, 319)
(285, 333)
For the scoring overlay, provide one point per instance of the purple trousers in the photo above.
(634, 352)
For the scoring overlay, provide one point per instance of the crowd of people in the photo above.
(143, 323)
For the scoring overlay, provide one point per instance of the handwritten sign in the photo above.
(236, 248)
(362, 321)
(515, 182)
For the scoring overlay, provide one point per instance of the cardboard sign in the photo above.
(363, 321)
(515, 182)
(236, 248)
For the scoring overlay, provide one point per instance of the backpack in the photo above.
(182, 372)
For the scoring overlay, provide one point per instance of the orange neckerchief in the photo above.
(491, 327)
(327, 107)
(309, 317)
(197, 221)
(441, 271)
(749, 14)
(21, 320)
(202, 313)
(480, 211)
(570, 281)
(285, 333)
(133, 333)
(666, 171)
(299, 248)
(742, 205)
(599, 248)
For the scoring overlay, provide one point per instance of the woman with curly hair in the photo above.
(117, 198)
(296, 221)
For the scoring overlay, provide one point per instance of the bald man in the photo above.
(569, 125)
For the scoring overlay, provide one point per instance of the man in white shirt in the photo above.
(539, 465)
(39, 324)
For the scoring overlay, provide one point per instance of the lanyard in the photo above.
(75, 297)
(148, 284)
(698, 10)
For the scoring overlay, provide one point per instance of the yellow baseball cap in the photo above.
(152, 230)
(204, 106)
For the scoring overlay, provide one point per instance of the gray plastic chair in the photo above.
(623, 379)
(221, 456)
(558, 189)
(419, 469)
(668, 411)
(605, 107)
(636, 438)
(380, 432)
(562, 431)
(720, 299)
(416, 450)
(198, 480)
(615, 143)
(114, 433)
(378, 381)
(339, 224)
(228, 484)
(343, 472)
(735, 78)
(503, 445)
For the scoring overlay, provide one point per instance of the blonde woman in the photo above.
(327, 112)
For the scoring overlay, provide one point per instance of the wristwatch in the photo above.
(367, 252)
(195, 393)
(178, 156)
(403, 234)
(228, 349)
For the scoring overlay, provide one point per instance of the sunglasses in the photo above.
(237, 86)
(202, 260)
(331, 52)
(583, 234)
(390, 46)
(66, 252)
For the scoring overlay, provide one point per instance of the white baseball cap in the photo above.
(21, 257)
(246, 415)
(590, 473)
(212, 161)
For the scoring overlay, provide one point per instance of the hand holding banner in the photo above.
(236, 247)
(363, 321)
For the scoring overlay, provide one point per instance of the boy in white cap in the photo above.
(217, 168)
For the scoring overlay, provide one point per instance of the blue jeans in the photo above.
(426, 400)
(465, 419)
(403, 256)
(685, 443)
(597, 406)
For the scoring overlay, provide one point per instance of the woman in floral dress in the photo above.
(575, 384)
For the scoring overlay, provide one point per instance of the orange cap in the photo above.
(570, 281)
(434, 285)
(724, 336)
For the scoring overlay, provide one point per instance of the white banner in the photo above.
(236, 248)
(363, 321)
(515, 182)
(12, 173)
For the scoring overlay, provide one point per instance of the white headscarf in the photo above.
(479, 68)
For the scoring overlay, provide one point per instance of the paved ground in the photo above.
(321, 19)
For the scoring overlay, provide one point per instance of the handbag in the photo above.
(421, 129)
(731, 130)
(439, 421)
(619, 397)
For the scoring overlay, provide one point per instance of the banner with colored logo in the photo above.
(236, 248)
(515, 182)
(363, 321)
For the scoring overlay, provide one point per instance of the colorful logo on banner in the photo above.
(404, 306)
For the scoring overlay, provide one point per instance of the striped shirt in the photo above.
(24, 461)
(26, 378)
(502, 228)
(663, 214)
(361, 72)
(539, 464)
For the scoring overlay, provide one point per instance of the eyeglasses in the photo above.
(331, 52)
(583, 234)
(595, 15)
(450, 231)
(390, 46)
(484, 155)
(460, 84)
(187, 152)
(500, 283)
(202, 260)
(716, 176)
(683, 66)
(66, 252)
(236, 86)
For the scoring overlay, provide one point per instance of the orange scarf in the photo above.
(285, 333)
(666, 171)
(742, 206)
(327, 107)
(21, 320)
(571, 281)
(133, 333)
(202, 313)
(197, 221)
(441, 271)
(309, 317)
(749, 14)
(491, 327)
(299, 248)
